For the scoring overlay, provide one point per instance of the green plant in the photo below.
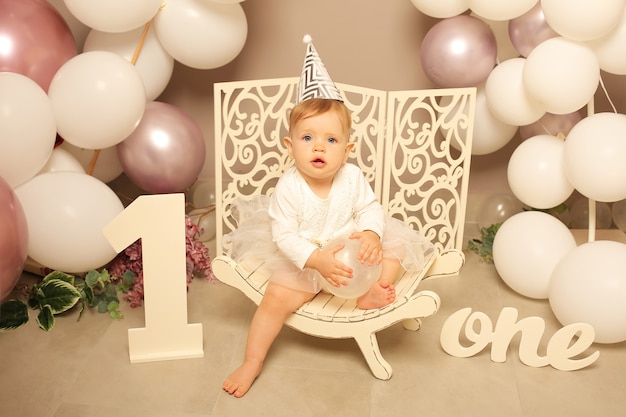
(484, 246)
(58, 292)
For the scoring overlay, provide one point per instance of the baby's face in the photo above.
(319, 145)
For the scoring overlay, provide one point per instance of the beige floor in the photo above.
(81, 369)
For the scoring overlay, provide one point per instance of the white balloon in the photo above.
(609, 49)
(113, 15)
(154, 64)
(582, 20)
(27, 128)
(66, 212)
(536, 172)
(98, 99)
(526, 249)
(589, 286)
(202, 35)
(501, 10)
(490, 133)
(107, 166)
(507, 97)
(441, 8)
(62, 160)
(562, 75)
(595, 151)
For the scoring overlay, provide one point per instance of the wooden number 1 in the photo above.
(159, 220)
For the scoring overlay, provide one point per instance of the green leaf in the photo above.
(103, 306)
(60, 276)
(92, 278)
(59, 295)
(45, 318)
(13, 314)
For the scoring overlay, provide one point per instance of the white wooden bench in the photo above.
(413, 146)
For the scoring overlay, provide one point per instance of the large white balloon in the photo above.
(595, 151)
(507, 97)
(441, 8)
(98, 99)
(589, 286)
(62, 160)
(536, 172)
(27, 128)
(609, 49)
(582, 20)
(562, 75)
(526, 249)
(113, 15)
(154, 64)
(66, 212)
(107, 165)
(501, 10)
(202, 35)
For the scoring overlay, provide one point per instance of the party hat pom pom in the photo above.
(307, 38)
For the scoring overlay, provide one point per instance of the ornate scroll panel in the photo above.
(427, 161)
(251, 119)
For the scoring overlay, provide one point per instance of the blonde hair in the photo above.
(315, 106)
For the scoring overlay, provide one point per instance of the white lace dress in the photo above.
(280, 232)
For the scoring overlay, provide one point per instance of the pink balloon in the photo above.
(36, 40)
(529, 30)
(13, 239)
(166, 151)
(459, 52)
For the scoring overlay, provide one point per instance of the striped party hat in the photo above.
(315, 81)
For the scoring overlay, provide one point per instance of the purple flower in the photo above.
(198, 263)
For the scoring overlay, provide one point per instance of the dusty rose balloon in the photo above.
(459, 52)
(34, 40)
(13, 239)
(166, 152)
(529, 30)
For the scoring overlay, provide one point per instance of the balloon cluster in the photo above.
(99, 99)
(536, 64)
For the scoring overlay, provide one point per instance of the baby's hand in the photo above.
(371, 251)
(330, 268)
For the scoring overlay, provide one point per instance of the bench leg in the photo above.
(369, 347)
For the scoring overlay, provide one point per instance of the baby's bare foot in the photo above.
(381, 294)
(240, 381)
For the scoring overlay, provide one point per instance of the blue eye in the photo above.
(307, 138)
(332, 140)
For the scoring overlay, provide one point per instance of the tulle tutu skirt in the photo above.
(251, 245)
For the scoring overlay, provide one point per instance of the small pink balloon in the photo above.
(459, 52)
(35, 40)
(166, 151)
(557, 125)
(529, 30)
(13, 239)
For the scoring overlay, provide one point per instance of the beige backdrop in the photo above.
(373, 43)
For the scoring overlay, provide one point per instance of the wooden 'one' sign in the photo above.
(566, 344)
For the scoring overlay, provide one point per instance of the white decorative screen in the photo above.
(410, 164)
